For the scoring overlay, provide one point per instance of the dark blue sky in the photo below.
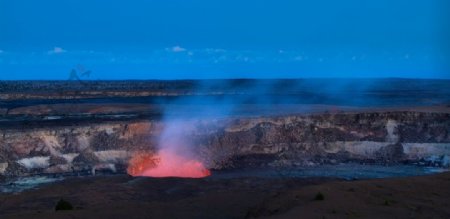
(172, 39)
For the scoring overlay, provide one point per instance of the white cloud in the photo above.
(176, 49)
(57, 50)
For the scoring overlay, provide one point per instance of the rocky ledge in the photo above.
(232, 142)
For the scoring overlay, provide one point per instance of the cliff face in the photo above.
(232, 142)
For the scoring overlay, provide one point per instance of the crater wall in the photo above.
(382, 137)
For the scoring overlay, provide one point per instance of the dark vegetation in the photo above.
(319, 197)
(63, 205)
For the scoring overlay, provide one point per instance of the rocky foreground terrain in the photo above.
(123, 196)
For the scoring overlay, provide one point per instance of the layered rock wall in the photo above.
(232, 142)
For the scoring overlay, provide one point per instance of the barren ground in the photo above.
(121, 196)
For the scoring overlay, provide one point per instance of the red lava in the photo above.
(166, 164)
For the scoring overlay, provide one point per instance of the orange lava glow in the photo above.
(166, 164)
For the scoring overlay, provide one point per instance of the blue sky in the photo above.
(178, 39)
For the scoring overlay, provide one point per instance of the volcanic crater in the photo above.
(219, 129)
